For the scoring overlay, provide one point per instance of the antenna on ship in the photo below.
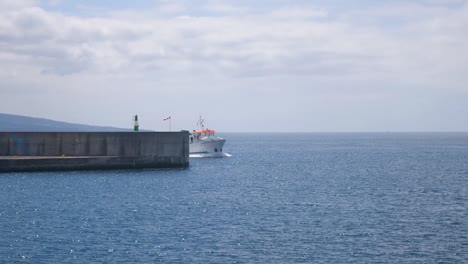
(136, 126)
(200, 123)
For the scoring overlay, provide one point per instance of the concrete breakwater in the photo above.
(45, 151)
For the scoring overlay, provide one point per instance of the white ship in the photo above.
(204, 143)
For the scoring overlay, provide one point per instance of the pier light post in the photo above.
(135, 123)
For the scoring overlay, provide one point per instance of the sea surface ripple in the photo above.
(281, 198)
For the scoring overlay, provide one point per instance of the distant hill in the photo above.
(19, 123)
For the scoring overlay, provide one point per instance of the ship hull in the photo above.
(208, 148)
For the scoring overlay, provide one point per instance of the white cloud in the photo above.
(171, 50)
(15, 4)
(287, 41)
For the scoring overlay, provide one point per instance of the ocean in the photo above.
(281, 198)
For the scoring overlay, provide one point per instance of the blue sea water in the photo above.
(281, 198)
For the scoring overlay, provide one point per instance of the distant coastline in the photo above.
(19, 123)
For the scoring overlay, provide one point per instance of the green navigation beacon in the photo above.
(135, 123)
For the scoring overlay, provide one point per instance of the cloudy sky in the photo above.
(253, 66)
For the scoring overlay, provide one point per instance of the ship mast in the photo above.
(200, 123)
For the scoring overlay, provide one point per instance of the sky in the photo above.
(245, 66)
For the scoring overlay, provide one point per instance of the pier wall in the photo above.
(31, 151)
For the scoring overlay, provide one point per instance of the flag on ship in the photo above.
(167, 118)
